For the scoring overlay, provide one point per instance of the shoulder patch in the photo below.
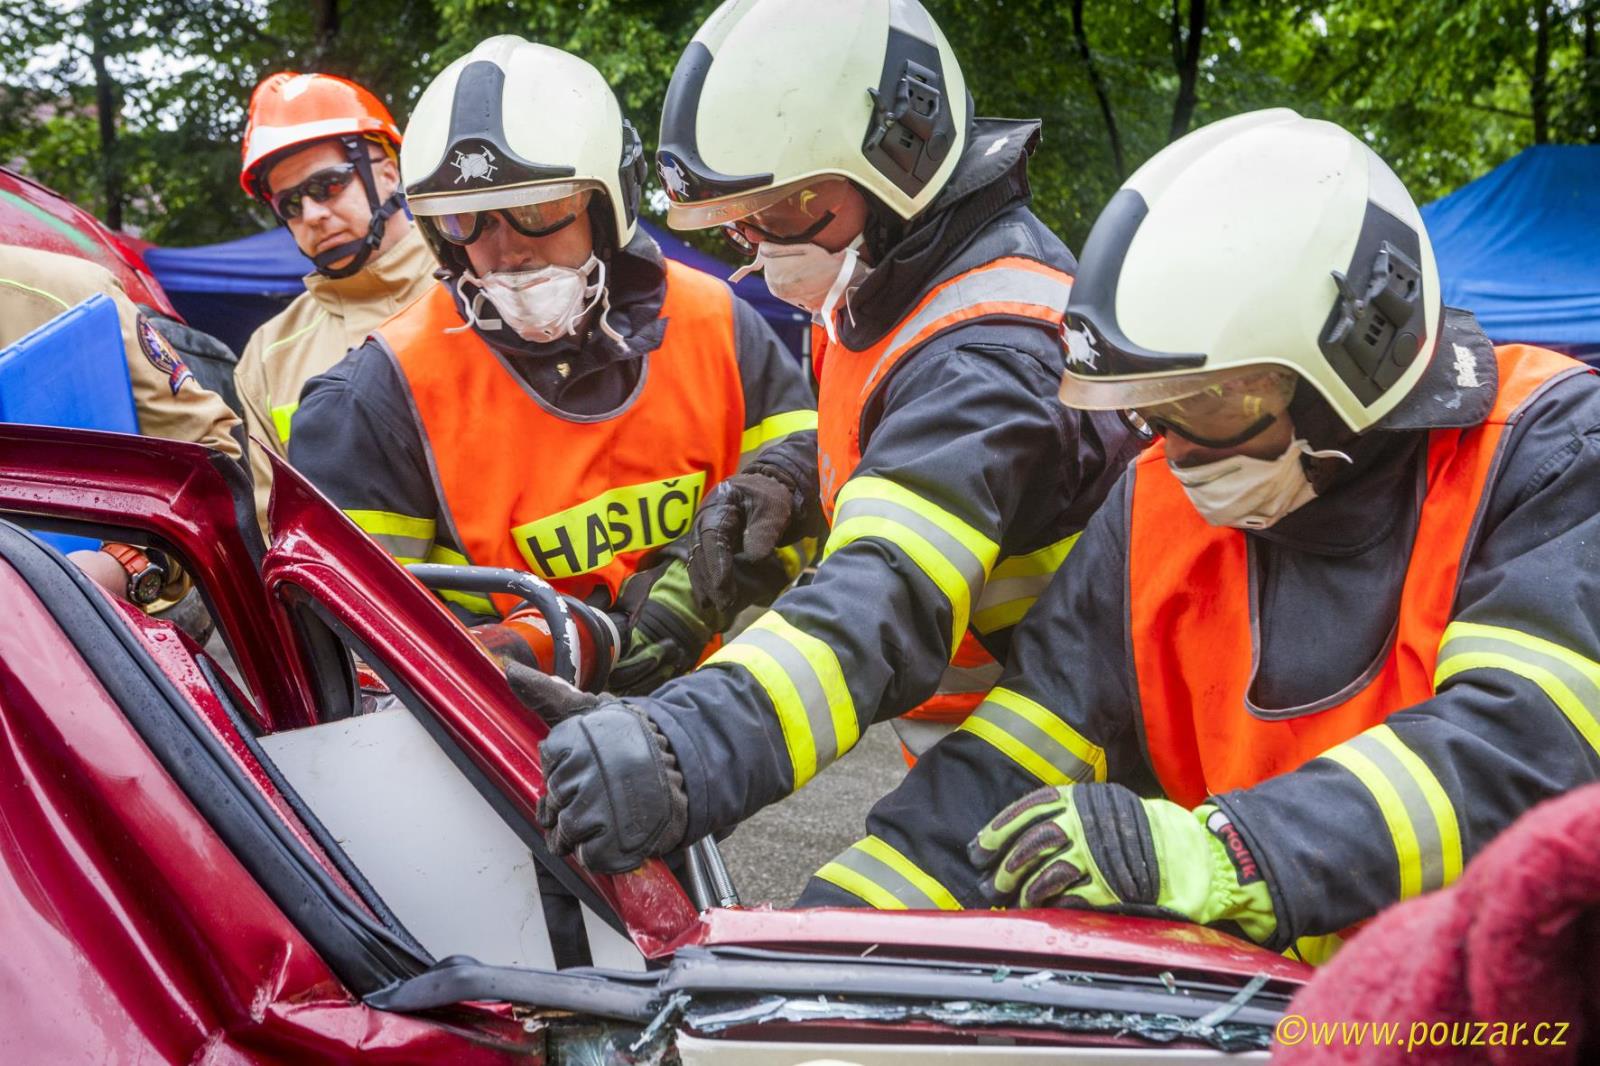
(161, 356)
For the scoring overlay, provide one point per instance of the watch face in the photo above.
(145, 587)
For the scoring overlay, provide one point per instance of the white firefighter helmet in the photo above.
(513, 123)
(1266, 239)
(771, 95)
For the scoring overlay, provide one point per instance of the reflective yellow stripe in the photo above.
(1316, 950)
(1016, 583)
(797, 556)
(1035, 739)
(297, 334)
(1571, 681)
(873, 870)
(802, 677)
(1421, 820)
(406, 537)
(282, 416)
(953, 555)
(1447, 830)
(476, 604)
(40, 292)
(774, 427)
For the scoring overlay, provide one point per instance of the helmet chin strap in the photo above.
(360, 250)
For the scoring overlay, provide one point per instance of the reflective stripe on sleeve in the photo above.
(405, 537)
(802, 677)
(1016, 583)
(1571, 681)
(879, 875)
(1011, 290)
(772, 428)
(283, 417)
(1415, 807)
(953, 555)
(969, 680)
(476, 604)
(1035, 739)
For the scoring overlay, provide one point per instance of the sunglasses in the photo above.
(530, 220)
(1226, 414)
(321, 187)
(745, 235)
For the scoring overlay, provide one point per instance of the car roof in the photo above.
(35, 216)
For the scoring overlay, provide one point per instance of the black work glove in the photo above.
(666, 633)
(613, 792)
(549, 697)
(742, 521)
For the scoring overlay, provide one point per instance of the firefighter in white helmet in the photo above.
(566, 398)
(1331, 634)
(834, 142)
(320, 153)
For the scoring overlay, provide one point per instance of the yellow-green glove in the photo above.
(666, 632)
(1100, 846)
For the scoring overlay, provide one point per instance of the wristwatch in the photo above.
(145, 578)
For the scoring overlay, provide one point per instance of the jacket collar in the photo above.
(1459, 386)
(1360, 504)
(990, 179)
(397, 276)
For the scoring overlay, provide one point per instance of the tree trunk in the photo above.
(1186, 57)
(1101, 93)
(1539, 77)
(325, 26)
(105, 105)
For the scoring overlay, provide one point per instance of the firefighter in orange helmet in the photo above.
(320, 152)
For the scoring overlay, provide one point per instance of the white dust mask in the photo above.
(809, 276)
(1251, 493)
(540, 305)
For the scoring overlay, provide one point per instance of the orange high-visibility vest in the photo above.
(577, 501)
(1191, 626)
(847, 378)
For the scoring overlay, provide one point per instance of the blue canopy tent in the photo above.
(231, 288)
(1520, 247)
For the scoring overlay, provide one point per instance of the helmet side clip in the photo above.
(912, 128)
(1375, 330)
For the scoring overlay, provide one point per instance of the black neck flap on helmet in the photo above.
(360, 250)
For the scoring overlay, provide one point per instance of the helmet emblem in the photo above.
(474, 165)
(673, 177)
(1080, 349)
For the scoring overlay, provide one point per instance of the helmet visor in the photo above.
(494, 199)
(530, 220)
(1228, 408)
(794, 202)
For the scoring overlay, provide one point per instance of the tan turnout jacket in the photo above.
(313, 333)
(36, 286)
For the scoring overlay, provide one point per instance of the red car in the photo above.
(34, 216)
(301, 866)
(37, 217)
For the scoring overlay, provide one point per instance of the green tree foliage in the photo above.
(135, 109)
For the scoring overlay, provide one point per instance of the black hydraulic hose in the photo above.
(537, 591)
